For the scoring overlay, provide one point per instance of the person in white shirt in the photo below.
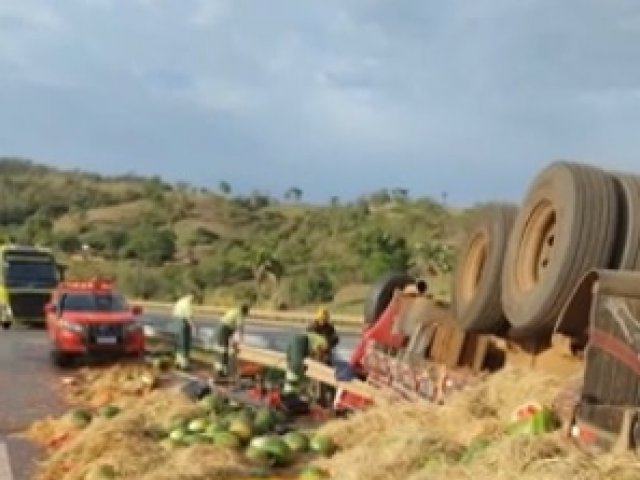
(183, 315)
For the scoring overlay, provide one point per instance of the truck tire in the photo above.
(566, 227)
(626, 255)
(380, 295)
(476, 282)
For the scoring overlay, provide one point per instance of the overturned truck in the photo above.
(551, 284)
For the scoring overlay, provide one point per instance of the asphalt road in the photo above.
(27, 393)
(273, 337)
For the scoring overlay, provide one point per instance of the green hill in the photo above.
(158, 238)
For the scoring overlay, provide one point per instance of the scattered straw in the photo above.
(95, 387)
(424, 442)
(462, 440)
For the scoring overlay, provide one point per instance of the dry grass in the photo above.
(462, 440)
(421, 442)
(125, 444)
(95, 387)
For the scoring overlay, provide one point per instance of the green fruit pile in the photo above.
(226, 424)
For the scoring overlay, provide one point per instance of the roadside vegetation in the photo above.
(158, 239)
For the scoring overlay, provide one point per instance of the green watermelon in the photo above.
(260, 442)
(227, 440)
(297, 442)
(215, 427)
(263, 421)
(256, 456)
(178, 435)
(109, 411)
(80, 418)
(198, 425)
(241, 428)
(536, 424)
(278, 450)
(313, 473)
(207, 402)
(199, 438)
(322, 445)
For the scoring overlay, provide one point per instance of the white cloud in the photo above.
(27, 14)
(208, 13)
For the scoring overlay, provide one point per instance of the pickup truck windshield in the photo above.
(30, 274)
(93, 302)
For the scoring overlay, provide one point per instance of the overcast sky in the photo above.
(336, 97)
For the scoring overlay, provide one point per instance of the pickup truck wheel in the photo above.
(61, 359)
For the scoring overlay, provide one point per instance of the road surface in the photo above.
(27, 393)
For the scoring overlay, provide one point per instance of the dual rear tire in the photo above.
(574, 218)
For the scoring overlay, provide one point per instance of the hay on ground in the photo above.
(465, 439)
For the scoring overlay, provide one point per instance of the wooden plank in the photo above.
(315, 370)
(482, 347)
(456, 344)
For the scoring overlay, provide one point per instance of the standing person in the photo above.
(300, 347)
(183, 313)
(232, 321)
(322, 325)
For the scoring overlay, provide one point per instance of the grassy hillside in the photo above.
(159, 238)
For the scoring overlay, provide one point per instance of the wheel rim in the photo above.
(473, 266)
(535, 253)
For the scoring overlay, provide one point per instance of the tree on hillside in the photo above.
(108, 242)
(399, 194)
(381, 252)
(267, 268)
(315, 286)
(37, 229)
(150, 245)
(380, 197)
(294, 193)
(224, 187)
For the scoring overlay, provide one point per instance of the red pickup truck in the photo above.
(89, 318)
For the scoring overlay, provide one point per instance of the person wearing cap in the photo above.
(230, 323)
(322, 325)
(183, 314)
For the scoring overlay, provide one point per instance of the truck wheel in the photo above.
(476, 283)
(61, 359)
(381, 293)
(6, 325)
(565, 228)
(626, 255)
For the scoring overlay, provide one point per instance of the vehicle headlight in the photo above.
(71, 326)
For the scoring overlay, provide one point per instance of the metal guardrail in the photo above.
(266, 316)
(272, 358)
